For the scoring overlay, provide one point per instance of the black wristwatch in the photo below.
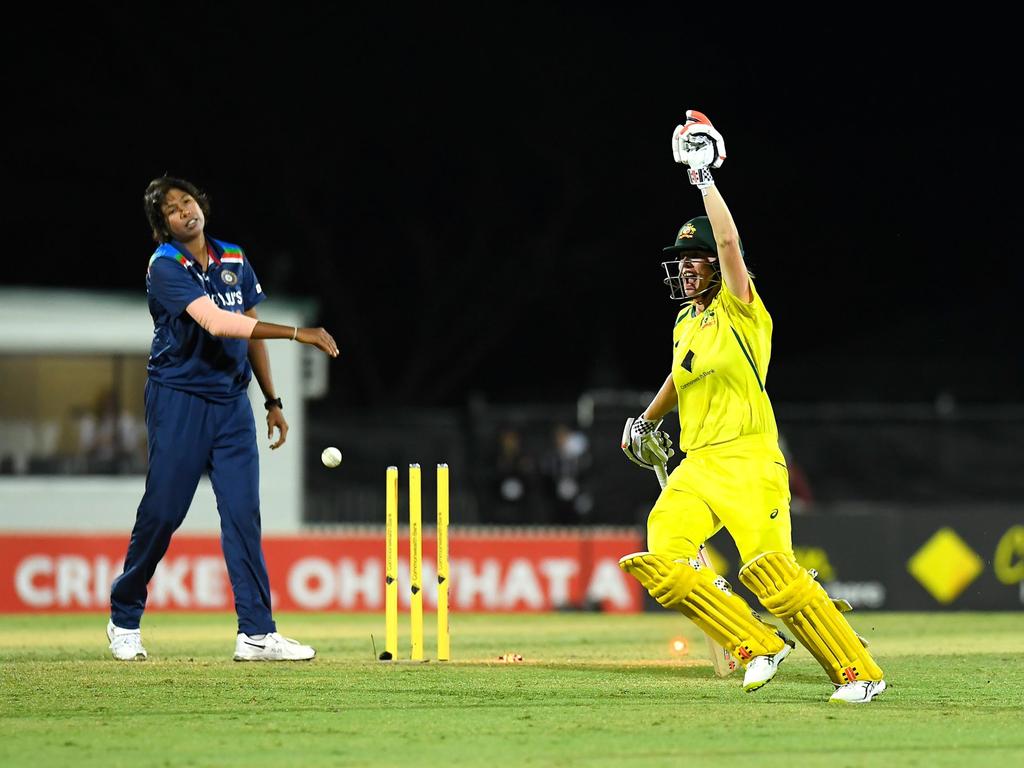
(273, 402)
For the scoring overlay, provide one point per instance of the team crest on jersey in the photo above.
(228, 277)
(708, 319)
(687, 232)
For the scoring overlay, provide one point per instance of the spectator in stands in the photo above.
(563, 468)
(109, 437)
(515, 476)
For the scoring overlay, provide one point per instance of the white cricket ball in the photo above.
(331, 457)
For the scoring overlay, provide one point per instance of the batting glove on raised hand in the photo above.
(644, 444)
(699, 145)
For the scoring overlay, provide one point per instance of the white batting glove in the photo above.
(698, 145)
(644, 444)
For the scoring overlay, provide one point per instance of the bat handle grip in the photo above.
(662, 473)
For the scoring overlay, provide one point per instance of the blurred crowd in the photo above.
(542, 485)
(99, 439)
(547, 483)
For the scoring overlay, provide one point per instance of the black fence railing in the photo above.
(562, 465)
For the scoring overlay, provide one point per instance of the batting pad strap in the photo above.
(782, 586)
(791, 593)
(667, 582)
(705, 598)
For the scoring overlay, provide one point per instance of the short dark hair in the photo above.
(153, 201)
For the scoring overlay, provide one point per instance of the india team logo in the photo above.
(228, 277)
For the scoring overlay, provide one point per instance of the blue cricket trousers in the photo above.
(187, 436)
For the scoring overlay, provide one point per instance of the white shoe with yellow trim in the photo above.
(762, 669)
(857, 692)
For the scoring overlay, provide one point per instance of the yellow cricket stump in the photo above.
(443, 645)
(391, 565)
(416, 562)
(415, 565)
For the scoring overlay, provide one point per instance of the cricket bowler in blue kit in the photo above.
(207, 344)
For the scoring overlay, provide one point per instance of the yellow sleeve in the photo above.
(753, 328)
(755, 311)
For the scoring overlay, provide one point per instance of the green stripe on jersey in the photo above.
(749, 359)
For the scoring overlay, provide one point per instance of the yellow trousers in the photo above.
(742, 485)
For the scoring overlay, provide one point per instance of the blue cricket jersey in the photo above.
(184, 356)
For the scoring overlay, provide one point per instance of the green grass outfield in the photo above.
(593, 689)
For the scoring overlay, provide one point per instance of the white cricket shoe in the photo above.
(857, 692)
(762, 669)
(271, 647)
(125, 644)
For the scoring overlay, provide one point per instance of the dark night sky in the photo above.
(478, 203)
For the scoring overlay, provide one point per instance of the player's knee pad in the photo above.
(705, 597)
(668, 582)
(791, 593)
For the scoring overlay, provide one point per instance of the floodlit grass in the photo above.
(593, 689)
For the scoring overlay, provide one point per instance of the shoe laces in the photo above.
(130, 639)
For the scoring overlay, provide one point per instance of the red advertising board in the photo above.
(513, 570)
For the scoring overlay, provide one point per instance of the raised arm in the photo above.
(727, 238)
(697, 144)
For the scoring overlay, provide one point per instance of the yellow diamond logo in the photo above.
(945, 565)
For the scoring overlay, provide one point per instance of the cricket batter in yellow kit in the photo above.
(734, 474)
